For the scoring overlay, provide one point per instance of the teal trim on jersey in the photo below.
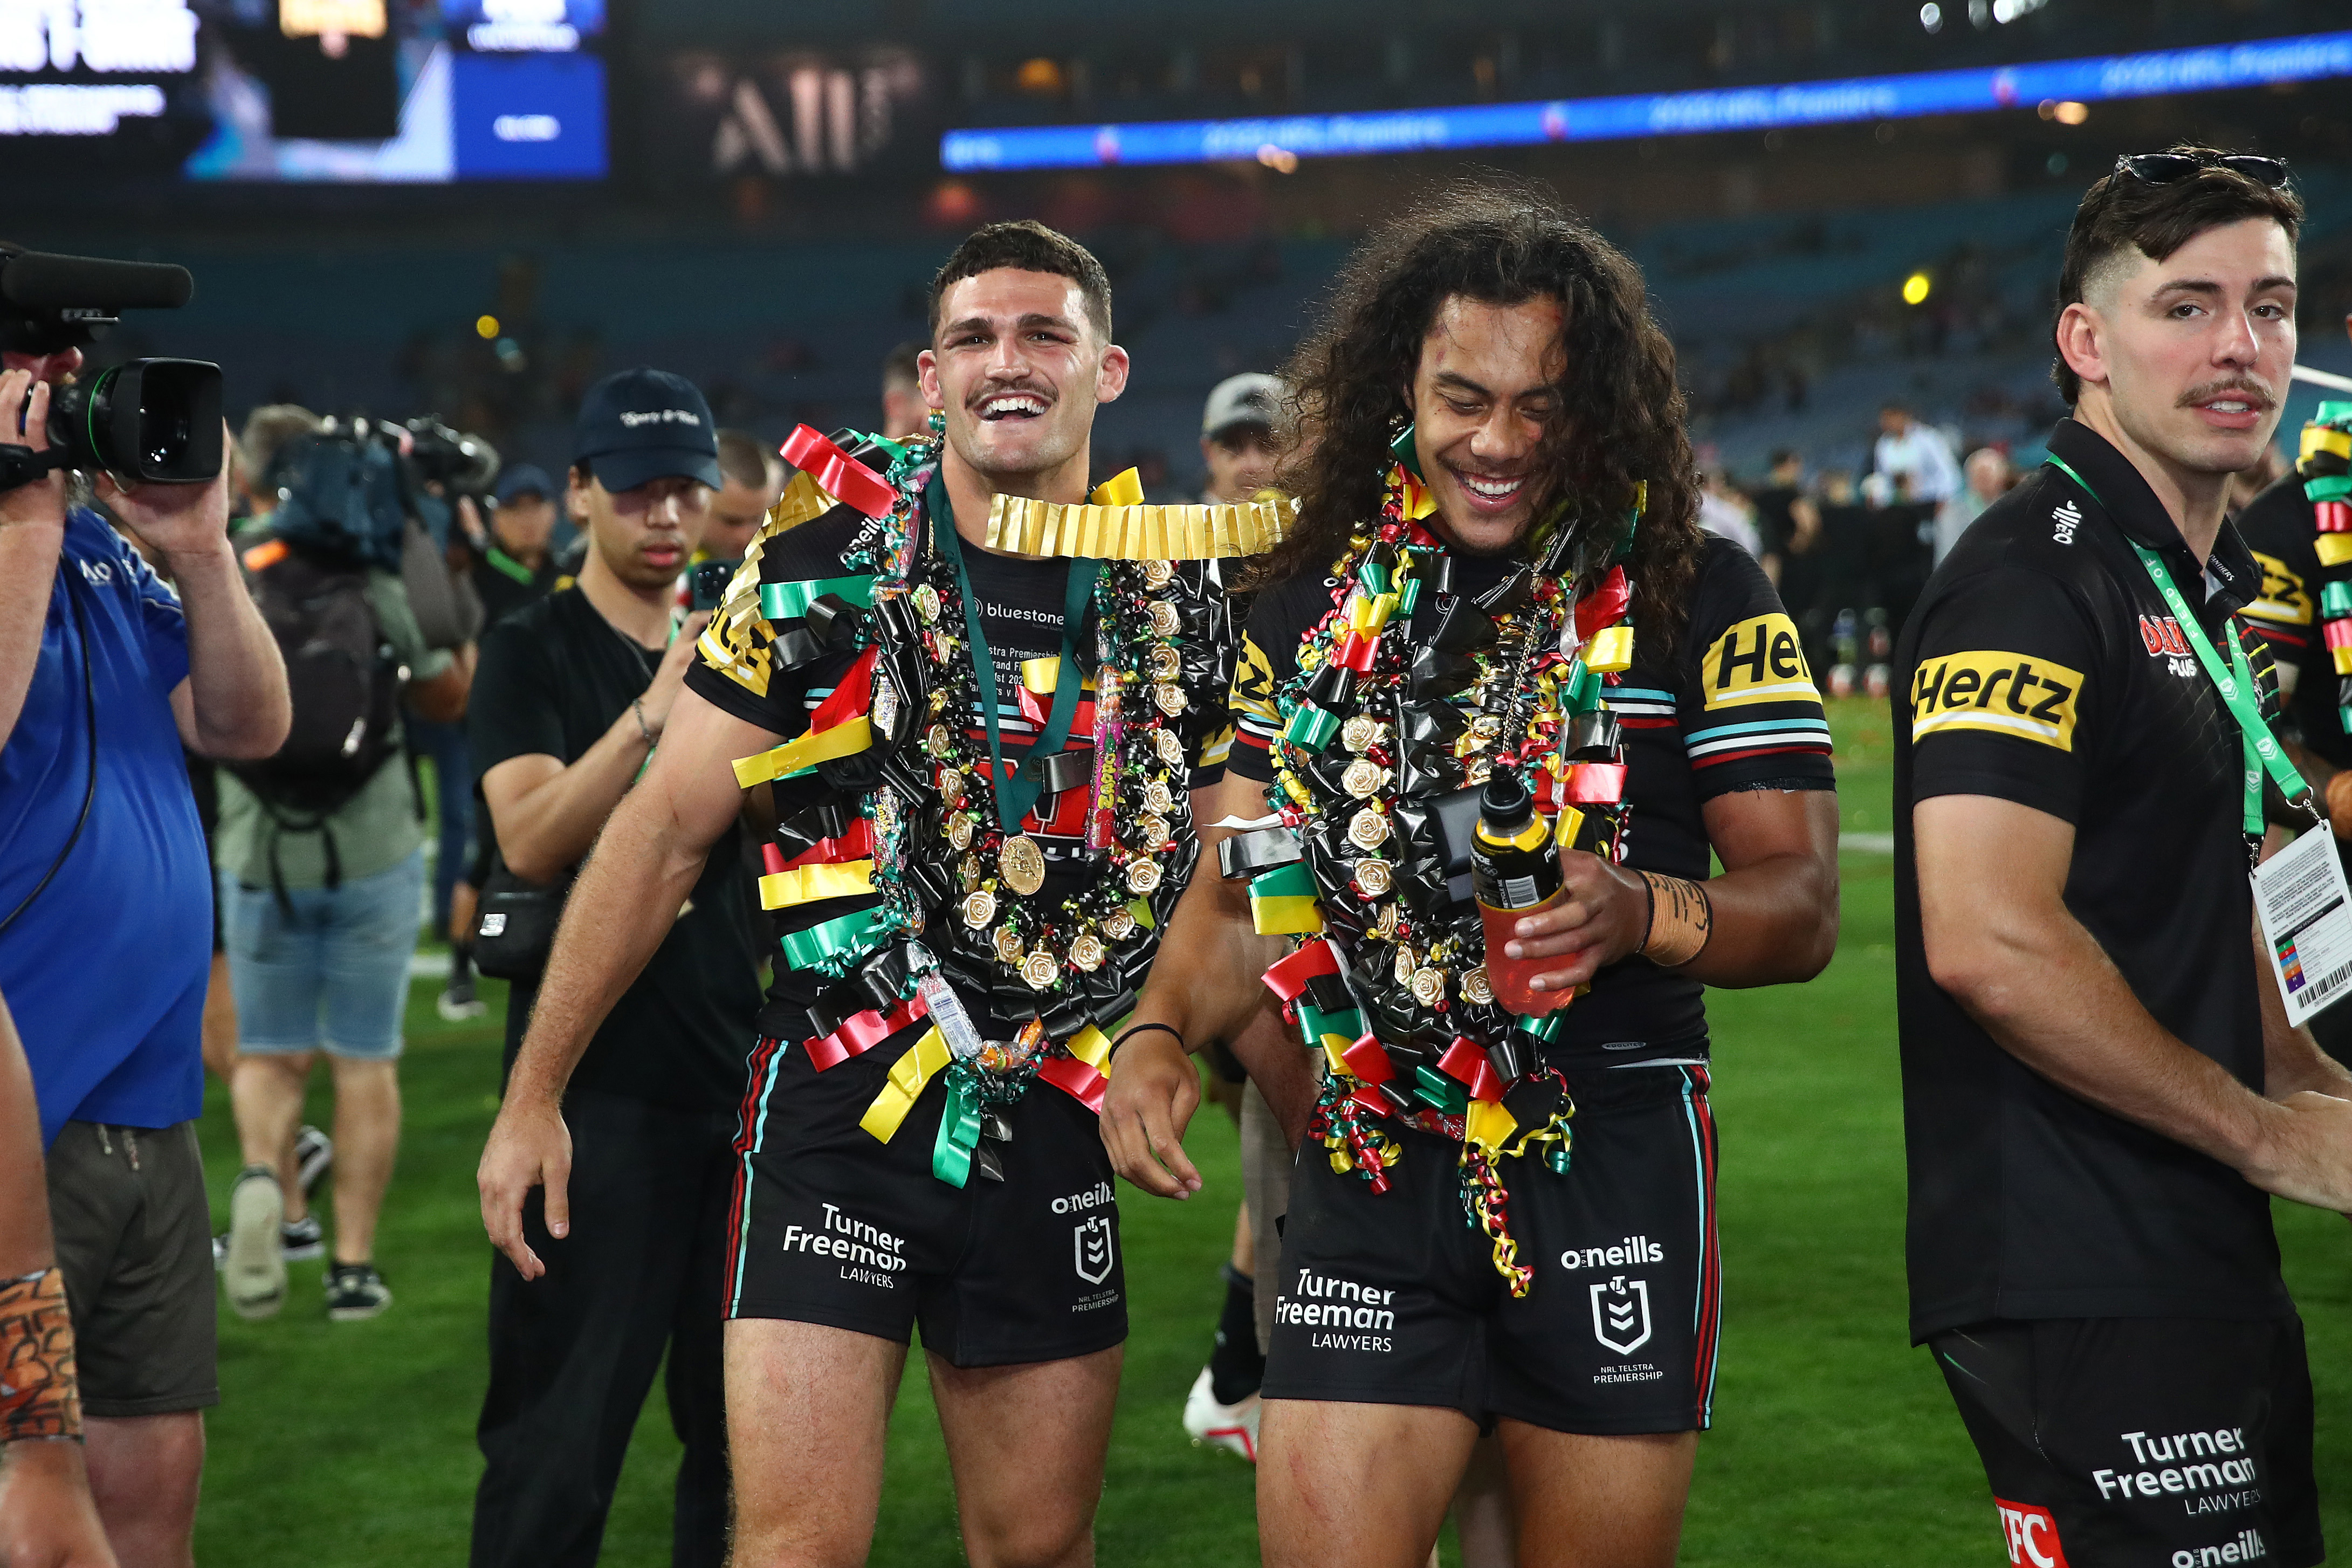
(1761, 724)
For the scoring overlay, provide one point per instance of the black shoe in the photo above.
(355, 1291)
(300, 1240)
(314, 1152)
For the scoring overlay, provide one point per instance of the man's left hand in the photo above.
(174, 519)
(1604, 916)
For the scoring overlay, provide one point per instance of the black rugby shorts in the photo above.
(831, 1226)
(2152, 1442)
(1393, 1298)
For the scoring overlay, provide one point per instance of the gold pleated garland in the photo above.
(1036, 527)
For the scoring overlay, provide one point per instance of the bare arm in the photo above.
(45, 1513)
(442, 698)
(1806, 514)
(1775, 907)
(547, 813)
(32, 535)
(1999, 939)
(644, 867)
(1203, 984)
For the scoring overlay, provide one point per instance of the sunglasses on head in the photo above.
(2165, 168)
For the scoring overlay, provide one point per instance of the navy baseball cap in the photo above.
(524, 479)
(645, 425)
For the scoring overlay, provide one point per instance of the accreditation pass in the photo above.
(2306, 915)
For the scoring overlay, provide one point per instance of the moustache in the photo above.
(2255, 392)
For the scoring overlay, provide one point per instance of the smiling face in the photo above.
(1484, 396)
(642, 535)
(2188, 356)
(1017, 369)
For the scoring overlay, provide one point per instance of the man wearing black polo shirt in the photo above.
(2100, 1083)
(573, 692)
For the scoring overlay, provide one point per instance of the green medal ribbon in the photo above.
(2234, 681)
(959, 1127)
(1014, 794)
(837, 942)
(790, 600)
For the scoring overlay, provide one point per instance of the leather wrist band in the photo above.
(39, 1398)
(1127, 1034)
(1681, 919)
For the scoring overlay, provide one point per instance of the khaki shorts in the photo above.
(135, 1241)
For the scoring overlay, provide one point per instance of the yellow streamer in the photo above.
(1041, 676)
(2321, 438)
(845, 738)
(908, 1074)
(807, 884)
(1091, 1045)
(1488, 1124)
(1611, 650)
(1119, 489)
(2334, 549)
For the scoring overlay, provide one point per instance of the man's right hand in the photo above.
(1154, 1089)
(47, 1518)
(669, 679)
(2305, 1152)
(530, 1147)
(25, 422)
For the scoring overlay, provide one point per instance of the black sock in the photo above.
(1235, 1369)
(461, 962)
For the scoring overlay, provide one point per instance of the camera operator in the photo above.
(106, 914)
(321, 875)
(517, 565)
(573, 695)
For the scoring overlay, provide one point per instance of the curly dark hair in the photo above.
(1620, 416)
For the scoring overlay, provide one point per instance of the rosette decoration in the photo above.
(1408, 696)
(906, 865)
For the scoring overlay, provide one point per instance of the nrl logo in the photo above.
(1620, 1314)
(1090, 1242)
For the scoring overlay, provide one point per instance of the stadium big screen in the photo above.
(412, 91)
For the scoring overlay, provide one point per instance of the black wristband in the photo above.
(1127, 1034)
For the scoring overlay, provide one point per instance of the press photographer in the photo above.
(105, 888)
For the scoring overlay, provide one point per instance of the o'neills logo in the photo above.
(1094, 1197)
(1632, 1251)
(2248, 1547)
(853, 1241)
(1318, 1300)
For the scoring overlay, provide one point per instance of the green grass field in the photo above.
(1834, 1443)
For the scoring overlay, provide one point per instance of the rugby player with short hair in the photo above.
(959, 923)
(2100, 1089)
(1492, 431)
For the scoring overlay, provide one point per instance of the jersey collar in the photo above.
(2122, 494)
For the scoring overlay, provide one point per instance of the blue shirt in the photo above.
(105, 971)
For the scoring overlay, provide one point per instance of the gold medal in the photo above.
(1363, 778)
(1167, 664)
(1170, 747)
(1158, 574)
(1165, 622)
(1429, 987)
(1023, 864)
(1118, 925)
(1040, 969)
(959, 830)
(1475, 988)
(1367, 829)
(1169, 698)
(951, 788)
(1150, 831)
(926, 603)
(1485, 727)
(1157, 798)
(1360, 732)
(1142, 876)
(1008, 944)
(1087, 953)
(1375, 877)
(980, 909)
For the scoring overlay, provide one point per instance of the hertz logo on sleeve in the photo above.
(2006, 693)
(1758, 660)
(2284, 600)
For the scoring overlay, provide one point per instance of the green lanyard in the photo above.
(2234, 681)
(1014, 794)
(510, 565)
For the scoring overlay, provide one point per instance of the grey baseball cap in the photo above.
(1252, 397)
